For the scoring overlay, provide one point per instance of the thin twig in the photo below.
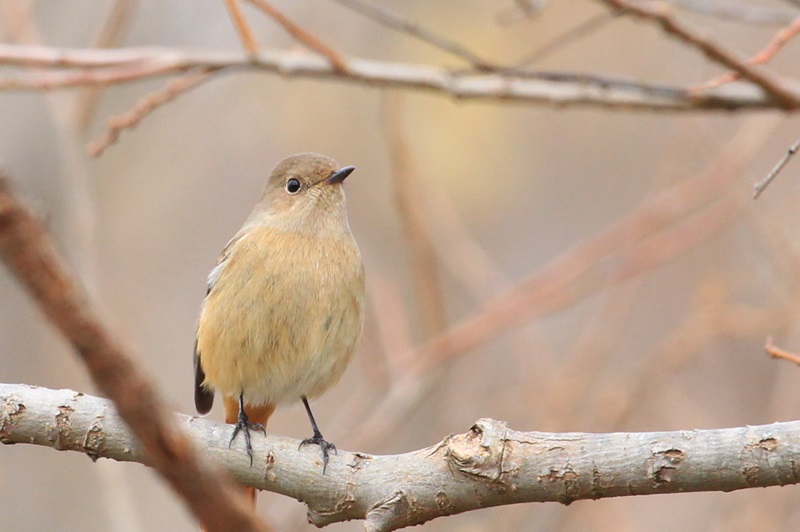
(146, 105)
(736, 11)
(58, 79)
(771, 84)
(242, 27)
(571, 35)
(776, 352)
(30, 256)
(397, 22)
(338, 61)
(783, 36)
(113, 32)
(759, 187)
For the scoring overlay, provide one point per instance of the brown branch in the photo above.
(783, 36)
(776, 352)
(771, 84)
(29, 255)
(338, 61)
(60, 79)
(242, 27)
(146, 105)
(103, 67)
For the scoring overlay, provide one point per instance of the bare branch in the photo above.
(149, 103)
(307, 39)
(490, 465)
(783, 36)
(242, 27)
(112, 33)
(776, 352)
(759, 187)
(771, 84)
(29, 254)
(737, 11)
(103, 67)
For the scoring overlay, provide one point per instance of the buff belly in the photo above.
(280, 327)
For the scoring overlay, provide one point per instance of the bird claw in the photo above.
(324, 445)
(244, 425)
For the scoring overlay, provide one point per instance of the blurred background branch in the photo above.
(29, 255)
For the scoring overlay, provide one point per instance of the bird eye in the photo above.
(293, 186)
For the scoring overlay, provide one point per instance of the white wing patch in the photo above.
(214, 274)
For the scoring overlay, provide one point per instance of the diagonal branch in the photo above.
(30, 256)
(242, 27)
(771, 84)
(783, 36)
(146, 105)
(489, 465)
(309, 40)
(737, 11)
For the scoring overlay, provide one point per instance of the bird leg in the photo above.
(243, 424)
(317, 438)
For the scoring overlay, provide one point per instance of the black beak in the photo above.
(340, 175)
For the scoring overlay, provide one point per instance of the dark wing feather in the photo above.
(203, 397)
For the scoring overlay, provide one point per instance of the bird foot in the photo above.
(244, 425)
(324, 445)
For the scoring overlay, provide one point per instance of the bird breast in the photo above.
(283, 317)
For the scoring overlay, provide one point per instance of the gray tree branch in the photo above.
(489, 465)
(72, 67)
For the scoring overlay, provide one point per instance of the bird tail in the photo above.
(256, 414)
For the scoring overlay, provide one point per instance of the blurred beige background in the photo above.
(676, 346)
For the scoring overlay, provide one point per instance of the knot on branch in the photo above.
(480, 451)
(398, 508)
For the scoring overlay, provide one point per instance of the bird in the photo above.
(284, 308)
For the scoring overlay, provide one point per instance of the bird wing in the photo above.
(204, 397)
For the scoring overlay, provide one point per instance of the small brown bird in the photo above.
(285, 302)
